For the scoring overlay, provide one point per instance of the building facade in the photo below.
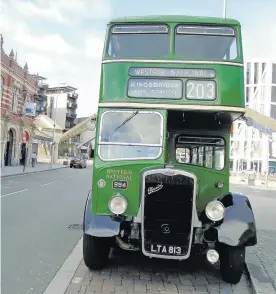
(41, 96)
(254, 148)
(18, 90)
(62, 106)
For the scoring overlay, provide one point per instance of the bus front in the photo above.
(171, 87)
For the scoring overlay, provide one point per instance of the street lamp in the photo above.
(54, 129)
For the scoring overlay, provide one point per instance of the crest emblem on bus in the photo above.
(155, 189)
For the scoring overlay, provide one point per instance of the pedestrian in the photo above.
(34, 157)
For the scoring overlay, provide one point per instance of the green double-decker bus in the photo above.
(171, 87)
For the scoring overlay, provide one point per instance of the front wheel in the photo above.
(96, 251)
(232, 261)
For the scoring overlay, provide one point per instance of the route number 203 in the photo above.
(201, 90)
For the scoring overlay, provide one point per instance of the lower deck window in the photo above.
(201, 151)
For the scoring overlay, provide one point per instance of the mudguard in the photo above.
(98, 225)
(238, 227)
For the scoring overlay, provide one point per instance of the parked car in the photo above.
(78, 162)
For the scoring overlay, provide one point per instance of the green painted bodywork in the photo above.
(229, 79)
(114, 77)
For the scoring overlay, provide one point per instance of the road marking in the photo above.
(14, 193)
(48, 183)
(62, 279)
(68, 177)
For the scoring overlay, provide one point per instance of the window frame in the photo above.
(160, 145)
(15, 98)
(188, 146)
(138, 24)
(210, 26)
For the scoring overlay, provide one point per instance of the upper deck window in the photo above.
(136, 41)
(206, 42)
(130, 135)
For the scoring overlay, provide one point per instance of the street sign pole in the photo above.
(224, 8)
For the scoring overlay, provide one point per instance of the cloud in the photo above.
(38, 31)
(63, 39)
(39, 63)
(41, 11)
(21, 34)
(260, 43)
(52, 43)
(62, 11)
(94, 45)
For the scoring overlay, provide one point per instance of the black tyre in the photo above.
(232, 261)
(96, 251)
(71, 165)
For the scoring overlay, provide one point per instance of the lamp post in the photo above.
(54, 129)
(224, 8)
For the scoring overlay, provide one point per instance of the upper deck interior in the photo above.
(173, 59)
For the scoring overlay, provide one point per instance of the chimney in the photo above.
(26, 67)
(26, 70)
(11, 56)
(2, 43)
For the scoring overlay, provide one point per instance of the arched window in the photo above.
(2, 87)
(15, 97)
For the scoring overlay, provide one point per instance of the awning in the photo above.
(45, 122)
(260, 121)
(43, 138)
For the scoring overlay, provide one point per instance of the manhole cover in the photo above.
(75, 227)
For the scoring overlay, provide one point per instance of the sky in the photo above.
(62, 40)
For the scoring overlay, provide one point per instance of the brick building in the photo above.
(18, 94)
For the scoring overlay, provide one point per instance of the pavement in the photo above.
(261, 259)
(133, 273)
(45, 255)
(8, 171)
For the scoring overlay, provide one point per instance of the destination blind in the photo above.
(154, 88)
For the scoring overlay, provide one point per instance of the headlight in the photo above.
(215, 211)
(118, 204)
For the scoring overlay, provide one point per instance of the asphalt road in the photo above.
(36, 212)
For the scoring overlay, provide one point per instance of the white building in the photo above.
(254, 148)
(62, 106)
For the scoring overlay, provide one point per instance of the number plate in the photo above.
(201, 90)
(166, 249)
(119, 185)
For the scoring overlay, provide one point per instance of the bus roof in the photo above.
(176, 19)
